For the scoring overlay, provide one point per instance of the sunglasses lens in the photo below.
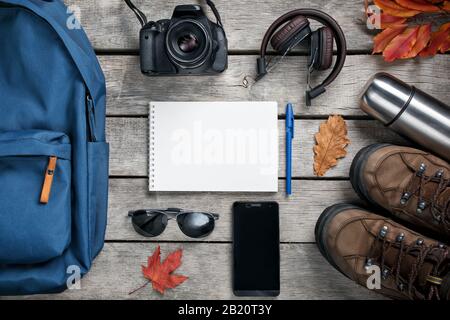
(196, 225)
(149, 224)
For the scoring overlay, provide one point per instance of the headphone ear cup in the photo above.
(314, 48)
(322, 41)
(291, 34)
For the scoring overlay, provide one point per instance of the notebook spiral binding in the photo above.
(151, 148)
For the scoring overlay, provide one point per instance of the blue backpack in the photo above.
(53, 154)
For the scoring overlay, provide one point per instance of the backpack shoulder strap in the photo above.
(57, 15)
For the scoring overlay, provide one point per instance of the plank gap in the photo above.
(300, 178)
(194, 242)
(280, 116)
(297, 53)
(128, 116)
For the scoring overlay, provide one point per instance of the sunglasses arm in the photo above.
(148, 212)
(171, 212)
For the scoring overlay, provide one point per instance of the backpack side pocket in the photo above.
(98, 172)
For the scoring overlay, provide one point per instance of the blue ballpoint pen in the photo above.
(289, 138)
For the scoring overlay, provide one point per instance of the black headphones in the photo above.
(295, 29)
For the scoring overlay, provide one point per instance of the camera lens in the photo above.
(188, 43)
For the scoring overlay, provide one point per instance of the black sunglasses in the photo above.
(151, 223)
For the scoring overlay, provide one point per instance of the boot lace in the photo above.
(436, 254)
(440, 212)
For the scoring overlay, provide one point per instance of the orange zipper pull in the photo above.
(48, 181)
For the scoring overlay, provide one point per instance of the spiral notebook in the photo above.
(213, 146)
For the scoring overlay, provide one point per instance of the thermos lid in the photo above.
(384, 96)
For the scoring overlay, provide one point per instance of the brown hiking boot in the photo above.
(411, 184)
(411, 266)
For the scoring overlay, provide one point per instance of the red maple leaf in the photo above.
(160, 275)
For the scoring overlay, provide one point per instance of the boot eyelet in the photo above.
(421, 206)
(422, 169)
(419, 242)
(441, 246)
(439, 173)
(400, 237)
(384, 231)
(401, 287)
(405, 197)
(369, 263)
(385, 274)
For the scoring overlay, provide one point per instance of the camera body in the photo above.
(187, 44)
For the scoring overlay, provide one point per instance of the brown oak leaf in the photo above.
(331, 141)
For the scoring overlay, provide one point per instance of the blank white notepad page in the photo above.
(213, 146)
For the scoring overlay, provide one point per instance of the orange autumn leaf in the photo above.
(419, 5)
(446, 44)
(413, 41)
(381, 20)
(401, 45)
(439, 42)
(445, 27)
(160, 275)
(384, 20)
(423, 37)
(392, 8)
(390, 21)
(331, 141)
(382, 39)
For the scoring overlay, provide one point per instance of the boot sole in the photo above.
(356, 173)
(320, 230)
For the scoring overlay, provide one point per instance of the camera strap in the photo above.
(143, 18)
(215, 11)
(139, 14)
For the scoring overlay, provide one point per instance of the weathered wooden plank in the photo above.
(111, 25)
(298, 213)
(129, 92)
(129, 136)
(305, 274)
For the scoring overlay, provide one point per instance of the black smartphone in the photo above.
(256, 249)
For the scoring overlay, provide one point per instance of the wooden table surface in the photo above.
(113, 30)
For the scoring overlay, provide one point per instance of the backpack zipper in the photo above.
(90, 117)
(48, 180)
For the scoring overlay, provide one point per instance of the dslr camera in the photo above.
(187, 44)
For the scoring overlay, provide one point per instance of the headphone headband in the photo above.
(324, 19)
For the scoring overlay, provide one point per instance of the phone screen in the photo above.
(256, 249)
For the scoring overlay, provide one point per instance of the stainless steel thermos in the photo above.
(409, 111)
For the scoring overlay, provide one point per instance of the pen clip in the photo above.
(290, 120)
